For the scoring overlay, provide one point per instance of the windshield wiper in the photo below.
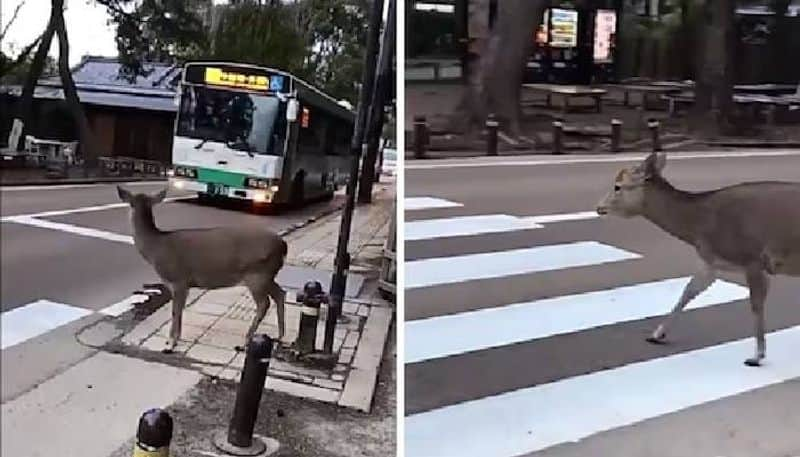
(247, 148)
(200, 145)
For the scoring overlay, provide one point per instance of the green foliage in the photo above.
(157, 31)
(263, 35)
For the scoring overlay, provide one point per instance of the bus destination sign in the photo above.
(232, 78)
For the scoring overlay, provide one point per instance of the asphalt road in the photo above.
(69, 260)
(525, 331)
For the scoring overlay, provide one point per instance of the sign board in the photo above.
(564, 28)
(236, 77)
(605, 26)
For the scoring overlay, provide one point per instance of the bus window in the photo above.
(243, 121)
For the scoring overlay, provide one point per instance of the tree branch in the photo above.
(13, 18)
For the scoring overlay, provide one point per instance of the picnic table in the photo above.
(646, 90)
(567, 93)
(753, 103)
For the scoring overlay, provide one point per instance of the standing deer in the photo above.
(209, 259)
(751, 228)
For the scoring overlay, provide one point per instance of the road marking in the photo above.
(412, 203)
(448, 335)
(563, 217)
(444, 270)
(465, 226)
(74, 229)
(84, 209)
(473, 163)
(535, 418)
(26, 322)
(485, 223)
(117, 309)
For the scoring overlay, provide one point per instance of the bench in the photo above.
(567, 93)
(646, 92)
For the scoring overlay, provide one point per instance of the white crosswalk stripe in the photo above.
(529, 419)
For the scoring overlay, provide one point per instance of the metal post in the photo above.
(239, 440)
(342, 260)
(616, 135)
(154, 434)
(420, 136)
(310, 299)
(558, 133)
(654, 125)
(491, 135)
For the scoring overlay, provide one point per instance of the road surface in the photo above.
(526, 317)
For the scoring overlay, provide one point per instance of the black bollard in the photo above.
(248, 397)
(491, 135)
(654, 125)
(310, 299)
(616, 135)
(154, 434)
(558, 135)
(420, 136)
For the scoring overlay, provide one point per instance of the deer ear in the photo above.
(653, 164)
(159, 197)
(124, 195)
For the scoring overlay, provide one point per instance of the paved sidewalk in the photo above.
(215, 321)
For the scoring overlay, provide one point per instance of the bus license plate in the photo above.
(217, 189)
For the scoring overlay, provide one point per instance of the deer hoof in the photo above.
(653, 340)
(167, 351)
(753, 362)
(238, 348)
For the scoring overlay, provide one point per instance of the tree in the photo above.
(261, 34)
(157, 31)
(713, 106)
(495, 82)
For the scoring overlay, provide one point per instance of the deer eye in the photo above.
(617, 188)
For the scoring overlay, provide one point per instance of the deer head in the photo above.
(141, 201)
(627, 197)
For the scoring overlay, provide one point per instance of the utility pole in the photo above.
(342, 261)
(379, 95)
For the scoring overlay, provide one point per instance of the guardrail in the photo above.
(129, 166)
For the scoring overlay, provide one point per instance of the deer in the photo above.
(209, 258)
(751, 228)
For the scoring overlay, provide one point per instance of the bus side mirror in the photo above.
(291, 110)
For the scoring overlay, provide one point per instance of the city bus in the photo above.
(258, 134)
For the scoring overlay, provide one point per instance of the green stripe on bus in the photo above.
(220, 177)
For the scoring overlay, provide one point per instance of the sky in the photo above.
(86, 27)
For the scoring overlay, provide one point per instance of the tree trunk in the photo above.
(714, 92)
(779, 40)
(495, 83)
(25, 103)
(87, 143)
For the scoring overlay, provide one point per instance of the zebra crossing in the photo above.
(40, 317)
(469, 387)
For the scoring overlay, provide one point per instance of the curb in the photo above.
(297, 226)
(58, 182)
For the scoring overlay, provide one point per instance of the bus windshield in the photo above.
(243, 121)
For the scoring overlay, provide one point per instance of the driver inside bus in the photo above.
(240, 119)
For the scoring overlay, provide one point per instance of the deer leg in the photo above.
(179, 295)
(699, 282)
(279, 295)
(759, 284)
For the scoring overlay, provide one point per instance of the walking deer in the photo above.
(750, 228)
(210, 258)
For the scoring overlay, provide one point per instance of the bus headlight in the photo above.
(178, 184)
(260, 197)
(257, 183)
(273, 188)
(170, 172)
